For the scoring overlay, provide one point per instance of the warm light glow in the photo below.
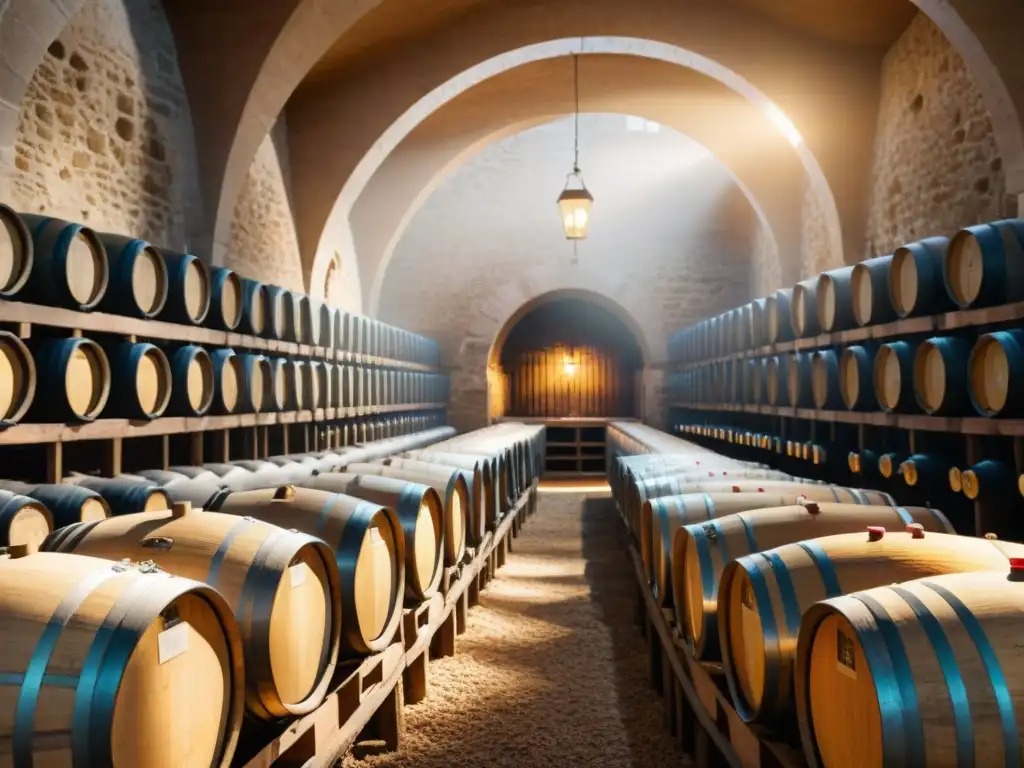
(575, 207)
(784, 124)
(569, 366)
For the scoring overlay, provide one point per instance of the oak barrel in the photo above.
(825, 386)
(228, 382)
(126, 497)
(984, 265)
(69, 264)
(835, 300)
(191, 381)
(928, 672)
(940, 375)
(803, 308)
(110, 664)
(763, 598)
(477, 522)
(67, 504)
(140, 380)
(856, 378)
(24, 521)
(16, 253)
(485, 466)
(225, 299)
(17, 378)
(893, 376)
(870, 283)
(73, 381)
(254, 307)
(916, 286)
(279, 322)
(780, 327)
(995, 371)
(188, 288)
(138, 277)
(257, 382)
(989, 479)
(776, 379)
(197, 491)
(283, 587)
(369, 549)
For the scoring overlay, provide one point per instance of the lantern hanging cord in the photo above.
(576, 131)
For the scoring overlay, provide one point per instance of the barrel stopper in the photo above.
(284, 492)
(735, 489)
(916, 530)
(181, 508)
(875, 532)
(991, 536)
(15, 551)
(1017, 565)
(811, 506)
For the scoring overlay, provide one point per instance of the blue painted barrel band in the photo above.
(902, 729)
(904, 516)
(955, 686)
(35, 672)
(14, 504)
(703, 547)
(787, 593)
(754, 566)
(709, 505)
(997, 679)
(749, 533)
(829, 577)
(723, 545)
(222, 549)
(324, 516)
(859, 497)
(410, 498)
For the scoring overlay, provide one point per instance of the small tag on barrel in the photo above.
(747, 596)
(846, 658)
(172, 642)
(298, 574)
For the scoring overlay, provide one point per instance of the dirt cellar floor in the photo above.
(552, 670)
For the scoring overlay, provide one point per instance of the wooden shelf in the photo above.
(968, 425)
(101, 429)
(945, 323)
(27, 315)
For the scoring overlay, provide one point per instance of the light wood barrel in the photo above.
(451, 487)
(825, 385)
(231, 476)
(835, 300)
(777, 309)
(803, 308)
(995, 371)
(141, 381)
(927, 672)
(893, 376)
(228, 382)
(940, 375)
(924, 470)
(188, 291)
(138, 277)
(73, 381)
(225, 299)
(126, 497)
(17, 377)
(254, 307)
(192, 387)
(369, 549)
(484, 466)
(198, 491)
(477, 524)
(983, 266)
(66, 504)
(421, 512)
(700, 551)
(69, 265)
(870, 284)
(856, 378)
(776, 379)
(916, 285)
(283, 587)
(16, 253)
(23, 521)
(170, 688)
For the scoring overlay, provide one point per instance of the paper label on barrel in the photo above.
(172, 642)
(747, 596)
(846, 658)
(375, 537)
(298, 574)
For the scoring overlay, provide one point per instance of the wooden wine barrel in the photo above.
(453, 490)
(989, 479)
(66, 504)
(228, 382)
(483, 466)
(188, 288)
(701, 552)
(856, 378)
(925, 470)
(777, 309)
(16, 253)
(916, 285)
(192, 381)
(225, 299)
(940, 375)
(126, 497)
(301, 316)
(803, 308)
(280, 318)
(369, 550)
(278, 396)
(73, 381)
(477, 522)
(17, 377)
(926, 672)
(870, 282)
(759, 650)
(141, 381)
(893, 376)
(169, 691)
(995, 371)
(271, 474)
(254, 307)
(24, 521)
(777, 384)
(800, 380)
(421, 512)
(825, 386)
(69, 265)
(835, 300)
(138, 277)
(283, 585)
(257, 385)
(198, 491)
(231, 477)
(982, 267)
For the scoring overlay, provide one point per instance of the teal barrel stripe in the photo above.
(749, 533)
(723, 547)
(828, 572)
(951, 672)
(222, 551)
(709, 505)
(835, 496)
(790, 606)
(35, 673)
(324, 515)
(904, 516)
(700, 541)
(997, 679)
(755, 566)
(902, 729)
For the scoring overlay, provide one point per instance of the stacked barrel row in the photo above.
(869, 632)
(64, 264)
(976, 268)
(80, 379)
(137, 625)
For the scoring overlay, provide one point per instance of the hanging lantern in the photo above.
(575, 202)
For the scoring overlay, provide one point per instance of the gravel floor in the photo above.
(552, 670)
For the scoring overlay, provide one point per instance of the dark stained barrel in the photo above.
(225, 299)
(894, 376)
(69, 265)
(24, 521)
(827, 394)
(940, 375)
(777, 379)
(800, 380)
(141, 381)
(138, 277)
(870, 283)
(985, 264)
(856, 378)
(257, 378)
(192, 381)
(780, 327)
(280, 318)
(254, 307)
(126, 497)
(302, 312)
(67, 503)
(228, 382)
(188, 288)
(759, 322)
(996, 373)
(198, 491)
(803, 308)
(924, 470)
(16, 253)
(73, 381)
(916, 285)
(279, 400)
(989, 479)
(17, 378)
(835, 300)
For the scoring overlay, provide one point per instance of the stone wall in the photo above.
(766, 272)
(816, 253)
(670, 244)
(936, 165)
(105, 132)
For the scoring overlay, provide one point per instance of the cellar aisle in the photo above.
(552, 669)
